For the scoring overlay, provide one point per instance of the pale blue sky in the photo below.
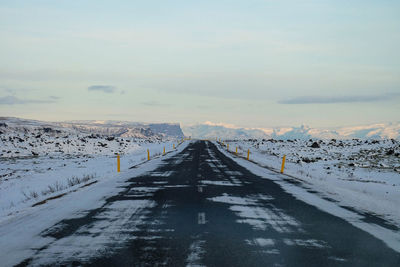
(249, 63)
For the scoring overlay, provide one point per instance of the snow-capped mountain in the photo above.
(208, 130)
(104, 128)
(373, 131)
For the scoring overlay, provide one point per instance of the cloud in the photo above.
(154, 103)
(338, 99)
(103, 88)
(12, 100)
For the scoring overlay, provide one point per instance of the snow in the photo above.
(111, 229)
(262, 242)
(31, 179)
(44, 159)
(221, 183)
(255, 214)
(124, 129)
(195, 253)
(225, 198)
(263, 218)
(305, 243)
(368, 191)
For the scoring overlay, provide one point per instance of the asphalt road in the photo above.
(200, 208)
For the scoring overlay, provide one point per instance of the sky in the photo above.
(250, 63)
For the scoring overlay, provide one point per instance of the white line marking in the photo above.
(201, 218)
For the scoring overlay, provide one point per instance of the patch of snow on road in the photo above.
(234, 173)
(160, 174)
(310, 243)
(262, 242)
(196, 252)
(225, 198)
(111, 229)
(260, 217)
(219, 183)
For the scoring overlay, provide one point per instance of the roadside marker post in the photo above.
(148, 154)
(248, 154)
(173, 146)
(227, 147)
(118, 163)
(236, 151)
(164, 151)
(283, 163)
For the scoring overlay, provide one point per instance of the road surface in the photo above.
(200, 208)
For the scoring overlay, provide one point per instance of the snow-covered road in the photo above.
(197, 207)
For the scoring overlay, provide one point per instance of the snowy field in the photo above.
(42, 161)
(361, 174)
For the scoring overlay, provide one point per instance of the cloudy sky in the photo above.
(252, 63)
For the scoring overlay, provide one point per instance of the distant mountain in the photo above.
(205, 130)
(126, 129)
(373, 131)
(105, 128)
(212, 131)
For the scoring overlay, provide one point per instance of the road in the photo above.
(200, 208)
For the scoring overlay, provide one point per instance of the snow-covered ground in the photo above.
(360, 174)
(41, 160)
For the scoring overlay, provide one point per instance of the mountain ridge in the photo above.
(371, 131)
(107, 128)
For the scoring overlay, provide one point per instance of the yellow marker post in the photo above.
(227, 147)
(118, 164)
(236, 151)
(173, 146)
(283, 163)
(148, 154)
(248, 154)
(164, 151)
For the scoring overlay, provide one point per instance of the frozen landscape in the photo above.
(199, 133)
(40, 160)
(46, 166)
